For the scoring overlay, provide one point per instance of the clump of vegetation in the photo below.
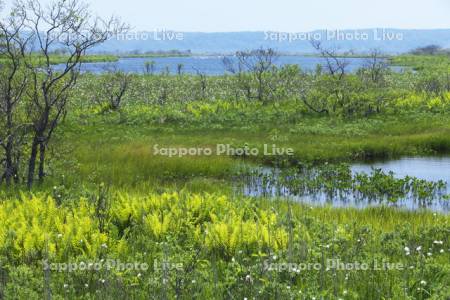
(176, 241)
(339, 182)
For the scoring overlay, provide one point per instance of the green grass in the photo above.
(422, 62)
(59, 59)
(122, 154)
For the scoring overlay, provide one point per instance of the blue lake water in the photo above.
(210, 65)
(427, 168)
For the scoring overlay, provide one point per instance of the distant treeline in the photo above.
(430, 50)
(157, 53)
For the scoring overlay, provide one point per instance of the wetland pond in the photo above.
(412, 183)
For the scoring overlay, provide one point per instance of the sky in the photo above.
(279, 15)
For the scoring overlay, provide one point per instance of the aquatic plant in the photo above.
(337, 181)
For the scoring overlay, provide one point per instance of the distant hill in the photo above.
(391, 41)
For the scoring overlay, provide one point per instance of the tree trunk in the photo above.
(9, 168)
(41, 173)
(32, 162)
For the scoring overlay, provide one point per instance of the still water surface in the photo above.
(427, 168)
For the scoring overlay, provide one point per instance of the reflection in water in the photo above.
(428, 168)
(420, 175)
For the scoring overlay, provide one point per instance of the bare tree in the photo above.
(229, 65)
(373, 75)
(333, 63)
(260, 64)
(13, 82)
(149, 67)
(376, 66)
(243, 81)
(203, 82)
(180, 68)
(63, 24)
(336, 84)
(115, 85)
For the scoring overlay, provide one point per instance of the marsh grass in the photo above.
(122, 154)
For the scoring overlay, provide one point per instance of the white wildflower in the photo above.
(407, 250)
